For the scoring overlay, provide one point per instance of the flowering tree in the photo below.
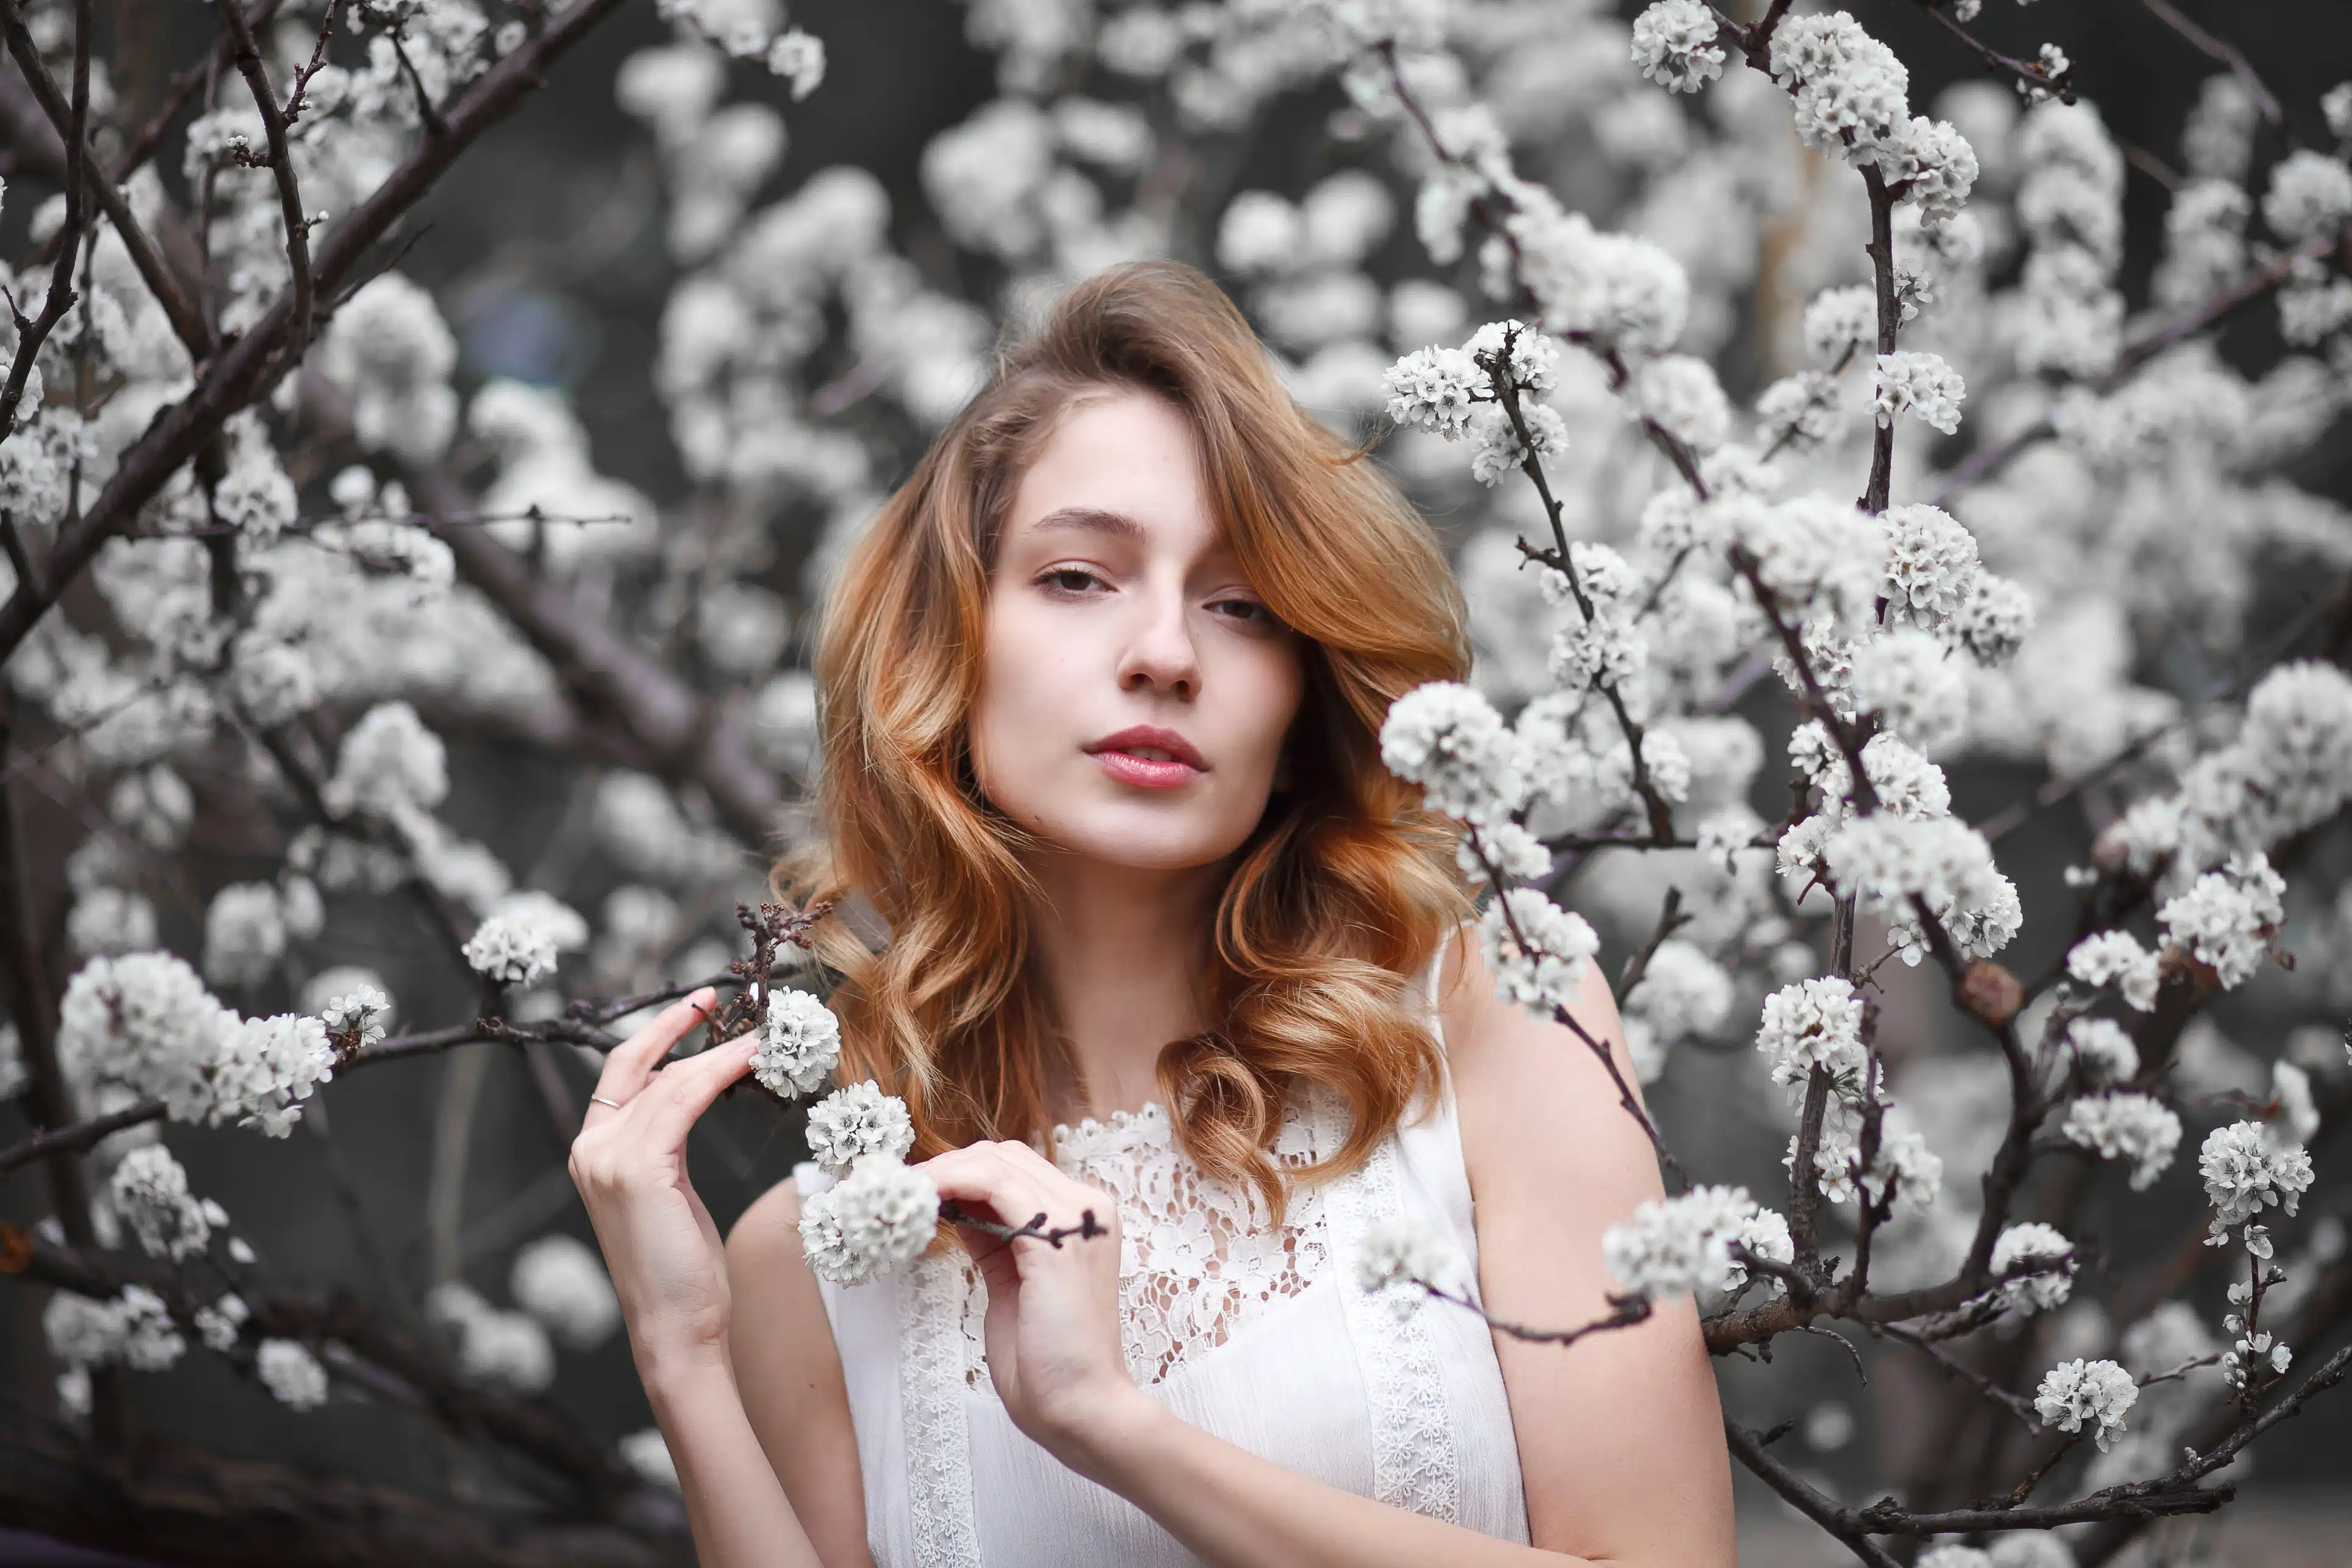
(1989, 516)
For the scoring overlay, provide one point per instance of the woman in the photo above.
(1102, 692)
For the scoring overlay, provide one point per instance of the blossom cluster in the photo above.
(2095, 1393)
(879, 1216)
(145, 1025)
(1700, 1241)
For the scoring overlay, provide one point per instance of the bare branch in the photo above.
(1840, 1521)
(250, 366)
(2223, 52)
(281, 164)
(85, 172)
(181, 1504)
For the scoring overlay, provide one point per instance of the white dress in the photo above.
(1260, 1337)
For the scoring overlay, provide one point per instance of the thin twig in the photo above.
(2223, 52)
(281, 164)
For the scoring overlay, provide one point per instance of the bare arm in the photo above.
(666, 1260)
(791, 1377)
(1652, 1489)
(1621, 1435)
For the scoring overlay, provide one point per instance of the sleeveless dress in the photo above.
(1258, 1336)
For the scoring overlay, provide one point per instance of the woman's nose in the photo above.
(1160, 652)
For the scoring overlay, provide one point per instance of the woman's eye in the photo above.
(1069, 579)
(1250, 611)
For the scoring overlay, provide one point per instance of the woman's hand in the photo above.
(1053, 1311)
(667, 1263)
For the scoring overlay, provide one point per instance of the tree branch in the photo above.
(282, 167)
(248, 368)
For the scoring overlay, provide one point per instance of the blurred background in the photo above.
(551, 253)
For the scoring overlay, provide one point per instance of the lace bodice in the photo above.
(1197, 1261)
(1253, 1333)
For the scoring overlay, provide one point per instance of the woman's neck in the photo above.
(1119, 952)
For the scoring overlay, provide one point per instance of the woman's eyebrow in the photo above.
(1090, 520)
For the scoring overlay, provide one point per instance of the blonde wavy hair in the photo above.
(1336, 900)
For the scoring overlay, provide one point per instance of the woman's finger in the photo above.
(629, 1064)
(678, 1095)
(984, 1174)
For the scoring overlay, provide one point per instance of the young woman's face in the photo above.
(1135, 691)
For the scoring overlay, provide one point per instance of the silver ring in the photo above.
(602, 1101)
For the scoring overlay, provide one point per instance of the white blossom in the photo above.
(245, 934)
(1674, 43)
(110, 922)
(2226, 916)
(1683, 992)
(800, 1041)
(854, 1120)
(219, 1324)
(509, 1350)
(1498, 449)
(2298, 1113)
(1532, 365)
(797, 57)
(2127, 1127)
(1934, 166)
(2099, 1392)
(879, 1216)
(1800, 411)
(144, 1023)
(1400, 1258)
(2103, 1052)
(562, 1281)
(1920, 384)
(150, 1190)
(389, 764)
(1613, 290)
(1434, 389)
(1888, 861)
(1683, 1245)
(1994, 622)
(1916, 688)
(1547, 971)
(1448, 739)
(2244, 1173)
(645, 1452)
(2310, 195)
(2117, 956)
(511, 950)
(133, 1329)
(2335, 105)
(1849, 89)
(389, 348)
(266, 1067)
(1953, 1555)
(291, 1373)
(2032, 1243)
(1840, 320)
(1822, 557)
(1814, 1023)
(1680, 393)
(12, 1076)
(1931, 562)
(363, 1009)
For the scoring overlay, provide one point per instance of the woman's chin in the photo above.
(1144, 840)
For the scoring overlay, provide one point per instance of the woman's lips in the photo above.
(1145, 772)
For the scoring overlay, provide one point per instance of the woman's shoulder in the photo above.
(1521, 1080)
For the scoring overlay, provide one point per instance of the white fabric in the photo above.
(1257, 1335)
